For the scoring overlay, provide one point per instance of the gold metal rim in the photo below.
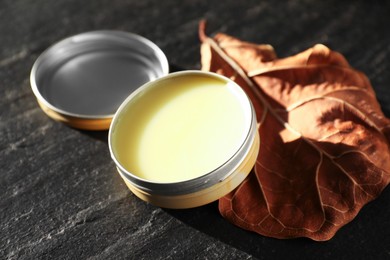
(207, 195)
(80, 123)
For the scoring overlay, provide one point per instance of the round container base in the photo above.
(204, 196)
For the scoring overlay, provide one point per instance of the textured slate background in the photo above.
(60, 196)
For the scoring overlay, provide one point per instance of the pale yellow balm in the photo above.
(181, 128)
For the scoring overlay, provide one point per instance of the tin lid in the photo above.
(83, 79)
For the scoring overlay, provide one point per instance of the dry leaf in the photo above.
(324, 149)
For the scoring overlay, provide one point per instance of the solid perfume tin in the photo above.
(185, 139)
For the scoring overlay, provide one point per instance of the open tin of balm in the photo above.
(83, 79)
(184, 140)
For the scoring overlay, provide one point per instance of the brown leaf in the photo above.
(324, 149)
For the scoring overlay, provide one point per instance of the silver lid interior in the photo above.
(90, 74)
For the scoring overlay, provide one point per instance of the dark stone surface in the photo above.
(60, 196)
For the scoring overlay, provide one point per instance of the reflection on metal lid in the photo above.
(83, 79)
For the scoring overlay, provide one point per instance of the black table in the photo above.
(60, 195)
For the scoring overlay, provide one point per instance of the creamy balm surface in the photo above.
(181, 128)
